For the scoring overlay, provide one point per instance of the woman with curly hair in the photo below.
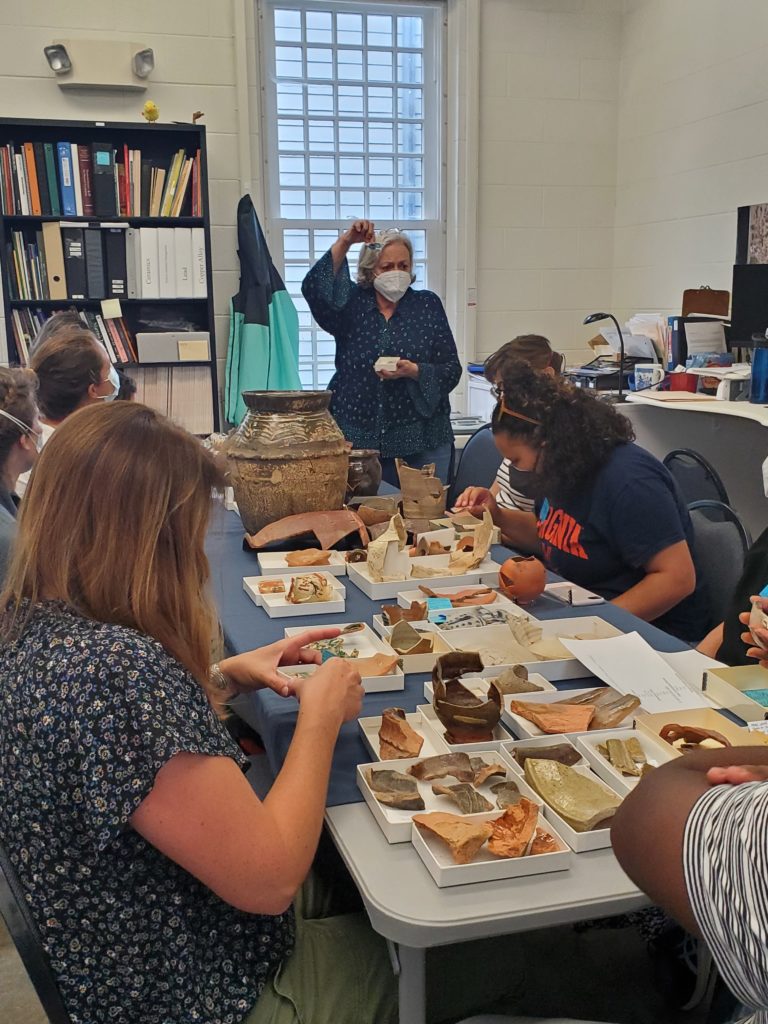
(608, 516)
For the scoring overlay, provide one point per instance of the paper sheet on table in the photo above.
(630, 665)
(690, 666)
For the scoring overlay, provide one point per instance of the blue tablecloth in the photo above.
(246, 626)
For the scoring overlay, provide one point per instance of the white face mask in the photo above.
(115, 382)
(392, 284)
(765, 478)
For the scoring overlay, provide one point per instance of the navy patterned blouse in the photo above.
(396, 417)
(89, 713)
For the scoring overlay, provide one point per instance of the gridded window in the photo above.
(354, 129)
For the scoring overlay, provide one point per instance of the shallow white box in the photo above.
(433, 746)
(272, 563)
(368, 644)
(406, 598)
(434, 726)
(699, 718)
(277, 606)
(582, 842)
(508, 748)
(486, 573)
(656, 751)
(527, 730)
(388, 363)
(415, 663)
(438, 861)
(479, 616)
(565, 668)
(448, 524)
(726, 686)
(396, 824)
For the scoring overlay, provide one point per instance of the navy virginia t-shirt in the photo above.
(602, 537)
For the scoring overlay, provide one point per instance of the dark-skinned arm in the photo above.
(649, 828)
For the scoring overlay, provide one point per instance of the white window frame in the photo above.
(434, 132)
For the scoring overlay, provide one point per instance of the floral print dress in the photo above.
(89, 714)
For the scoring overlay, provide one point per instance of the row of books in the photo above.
(182, 393)
(65, 260)
(113, 333)
(76, 180)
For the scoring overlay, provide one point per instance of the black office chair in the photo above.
(697, 479)
(720, 542)
(478, 463)
(26, 938)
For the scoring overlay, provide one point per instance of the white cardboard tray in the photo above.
(272, 563)
(487, 573)
(655, 750)
(277, 607)
(406, 598)
(580, 842)
(485, 867)
(433, 745)
(509, 747)
(527, 730)
(434, 726)
(396, 824)
(565, 668)
(415, 663)
(368, 644)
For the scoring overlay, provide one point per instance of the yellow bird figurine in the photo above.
(150, 112)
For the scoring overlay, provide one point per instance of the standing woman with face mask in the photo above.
(20, 440)
(73, 370)
(403, 413)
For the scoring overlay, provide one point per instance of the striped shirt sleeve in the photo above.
(725, 860)
(507, 496)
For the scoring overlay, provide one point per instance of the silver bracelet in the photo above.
(218, 679)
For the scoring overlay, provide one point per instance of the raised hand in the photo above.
(361, 231)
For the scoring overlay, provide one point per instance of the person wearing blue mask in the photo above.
(402, 412)
(73, 370)
(20, 441)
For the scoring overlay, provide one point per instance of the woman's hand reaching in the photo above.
(475, 500)
(256, 669)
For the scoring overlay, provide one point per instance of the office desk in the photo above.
(402, 901)
(733, 436)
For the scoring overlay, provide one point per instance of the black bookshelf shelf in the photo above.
(134, 222)
(56, 304)
(170, 362)
(157, 144)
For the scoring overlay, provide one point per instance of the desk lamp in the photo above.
(592, 319)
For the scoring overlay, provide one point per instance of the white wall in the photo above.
(195, 70)
(692, 144)
(548, 109)
(602, 181)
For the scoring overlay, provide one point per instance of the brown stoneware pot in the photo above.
(287, 456)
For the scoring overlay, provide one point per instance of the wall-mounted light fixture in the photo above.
(58, 58)
(100, 64)
(144, 62)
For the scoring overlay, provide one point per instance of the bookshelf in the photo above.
(121, 212)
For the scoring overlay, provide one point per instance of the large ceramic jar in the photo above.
(287, 456)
